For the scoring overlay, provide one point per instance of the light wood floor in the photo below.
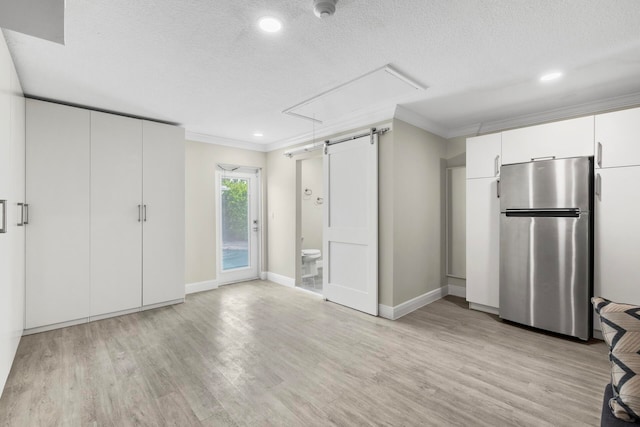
(261, 354)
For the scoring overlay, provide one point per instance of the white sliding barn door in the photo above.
(351, 224)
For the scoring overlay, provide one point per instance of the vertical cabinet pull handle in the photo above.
(4, 216)
(496, 165)
(144, 208)
(498, 188)
(139, 213)
(25, 221)
(599, 154)
(21, 206)
(599, 186)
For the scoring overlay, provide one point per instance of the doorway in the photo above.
(310, 200)
(237, 213)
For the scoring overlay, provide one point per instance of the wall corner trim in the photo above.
(281, 280)
(207, 285)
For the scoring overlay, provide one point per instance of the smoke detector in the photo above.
(324, 8)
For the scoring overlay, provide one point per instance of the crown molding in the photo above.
(415, 119)
(353, 122)
(227, 142)
(587, 108)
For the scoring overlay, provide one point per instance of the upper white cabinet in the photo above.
(116, 213)
(617, 140)
(617, 235)
(58, 193)
(567, 138)
(163, 213)
(483, 156)
(483, 242)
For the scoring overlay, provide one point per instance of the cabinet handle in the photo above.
(4, 216)
(25, 221)
(599, 186)
(139, 213)
(21, 206)
(498, 188)
(599, 154)
(496, 165)
(144, 217)
(535, 159)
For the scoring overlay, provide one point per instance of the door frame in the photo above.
(255, 207)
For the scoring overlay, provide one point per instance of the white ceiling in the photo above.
(205, 65)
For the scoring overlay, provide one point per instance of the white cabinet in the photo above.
(483, 156)
(58, 194)
(567, 138)
(483, 243)
(617, 235)
(106, 229)
(116, 213)
(617, 140)
(163, 215)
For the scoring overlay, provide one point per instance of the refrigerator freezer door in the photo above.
(544, 272)
(562, 183)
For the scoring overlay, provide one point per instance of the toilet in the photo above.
(310, 259)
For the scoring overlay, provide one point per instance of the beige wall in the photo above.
(200, 170)
(456, 156)
(311, 211)
(418, 193)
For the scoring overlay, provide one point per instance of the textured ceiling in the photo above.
(205, 65)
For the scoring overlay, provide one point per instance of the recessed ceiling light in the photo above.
(258, 134)
(270, 24)
(551, 76)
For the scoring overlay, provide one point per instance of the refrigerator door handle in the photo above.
(599, 154)
(496, 165)
(599, 186)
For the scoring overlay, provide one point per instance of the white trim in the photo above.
(207, 285)
(263, 275)
(55, 326)
(161, 304)
(457, 291)
(362, 120)
(396, 312)
(484, 308)
(227, 142)
(584, 109)
(281, 280)
(308, 291)
(420, 121)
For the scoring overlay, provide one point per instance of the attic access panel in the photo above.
(378, 86)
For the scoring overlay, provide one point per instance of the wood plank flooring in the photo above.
(257, 354)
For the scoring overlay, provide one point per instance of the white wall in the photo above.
(200, 204)
(311, 209)
(12, 175)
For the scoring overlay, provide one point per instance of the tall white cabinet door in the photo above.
(567, 138)
(116, 213)
(617, 235)
(163, 213)
(483, 156)
(483, 242)
(618, 138)
(58, 233)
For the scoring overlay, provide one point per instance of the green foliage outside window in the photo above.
(234, 209)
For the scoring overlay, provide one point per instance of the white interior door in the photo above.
(351, 224)
(237, 202)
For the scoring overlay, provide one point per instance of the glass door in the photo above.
(237, 226)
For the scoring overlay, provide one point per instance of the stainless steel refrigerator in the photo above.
(546, 245)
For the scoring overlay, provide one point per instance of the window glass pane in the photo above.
(235, 223)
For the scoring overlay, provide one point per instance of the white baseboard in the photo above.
(263, 275)
(281, 280)
(413, 304)
(485, 308)
(457, 291)
(207, 285)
